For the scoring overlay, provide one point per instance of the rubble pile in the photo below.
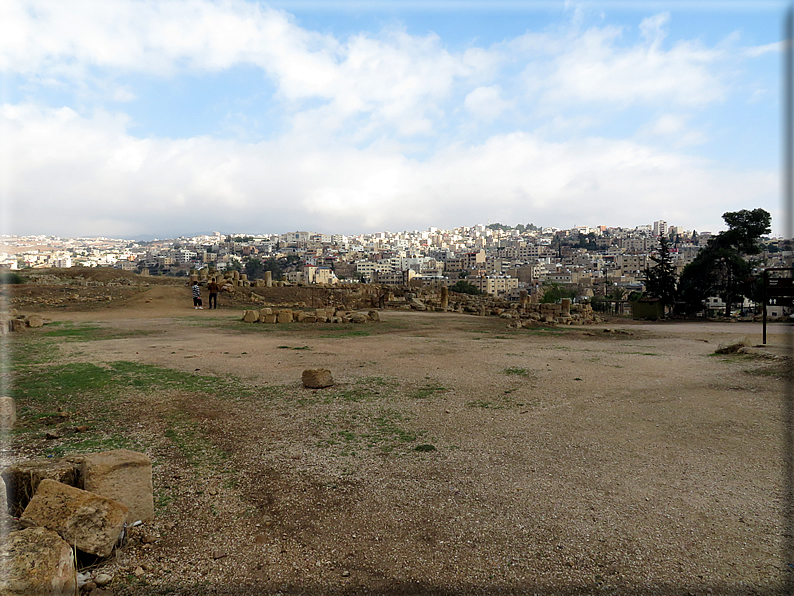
(16, 321)
(318, 315)
(52, 506)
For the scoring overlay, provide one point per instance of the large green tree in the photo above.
(721, 268)
(661, 280)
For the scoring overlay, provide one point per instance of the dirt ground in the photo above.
(621, 458)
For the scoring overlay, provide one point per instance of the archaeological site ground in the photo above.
(455, 453)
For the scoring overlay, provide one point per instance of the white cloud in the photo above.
(89, 176)
(486, 103)
(592, 67)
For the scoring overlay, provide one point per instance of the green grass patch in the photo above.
(517, 371)
(427, 391)
(346, 333)
(349, 431)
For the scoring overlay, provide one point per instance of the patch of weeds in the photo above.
(367, 389)
(293, 348)
(486, 405)
(342, 334)
(347, 431)
(427, 391)
(517, 371)
(92, 444)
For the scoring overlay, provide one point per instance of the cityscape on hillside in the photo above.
(496, 259)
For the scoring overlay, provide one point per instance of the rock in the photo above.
(124, 476)
(373, 315)
(90, 522)
(270, 319)
(250, 316)
(103, 579)
(309, 319)
(285, 316)
(23, 478)
(218, 554)
(138, 572)
(317, 378)
(8, 413)
(358, 318)
(738, 347)
(36, 561)
(35, 321)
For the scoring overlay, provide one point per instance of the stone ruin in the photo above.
(16, 321)
(82, 502)
(318, 315)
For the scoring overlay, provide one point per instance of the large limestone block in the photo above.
(374, 315)
(270, 319)
(36, 561)
(22, 478)
(298, 316)
(265, 311)
(90, 522)
(8, 413)
(358, 317)
(309, 319)
(124, 476)
(285, 316)
(317, 378)
(250, 316)
(35, 321)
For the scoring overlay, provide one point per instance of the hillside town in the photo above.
(495, 259)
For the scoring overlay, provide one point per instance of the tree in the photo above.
(464, 287)
(721, 268)
(661, 279)
(254, 268)
(554, 293)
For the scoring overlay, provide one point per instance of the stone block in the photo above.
(22, 478)
(8, 413)
(285, 316)
(265, 311)
(90, 522)
(373, 315)
(124, 476)
(298, 316)
(317, 378)
(358, 317)
(35, 321)
(309, 319)
(270, 319)
(250, 316)
(36, 561)
(18, 325)
(321, 319)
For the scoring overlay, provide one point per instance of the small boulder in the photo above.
(250, 316)
(35, 321)
(36, 561)
(90, 522)
(373, 315)
(317, 378)
(358, 318)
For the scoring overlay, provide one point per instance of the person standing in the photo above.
(213, 288)
(197, 296)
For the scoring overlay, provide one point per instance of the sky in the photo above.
(133, 118)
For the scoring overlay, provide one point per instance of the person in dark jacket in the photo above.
(213, 288)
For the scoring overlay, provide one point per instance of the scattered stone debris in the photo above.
(317, 378)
